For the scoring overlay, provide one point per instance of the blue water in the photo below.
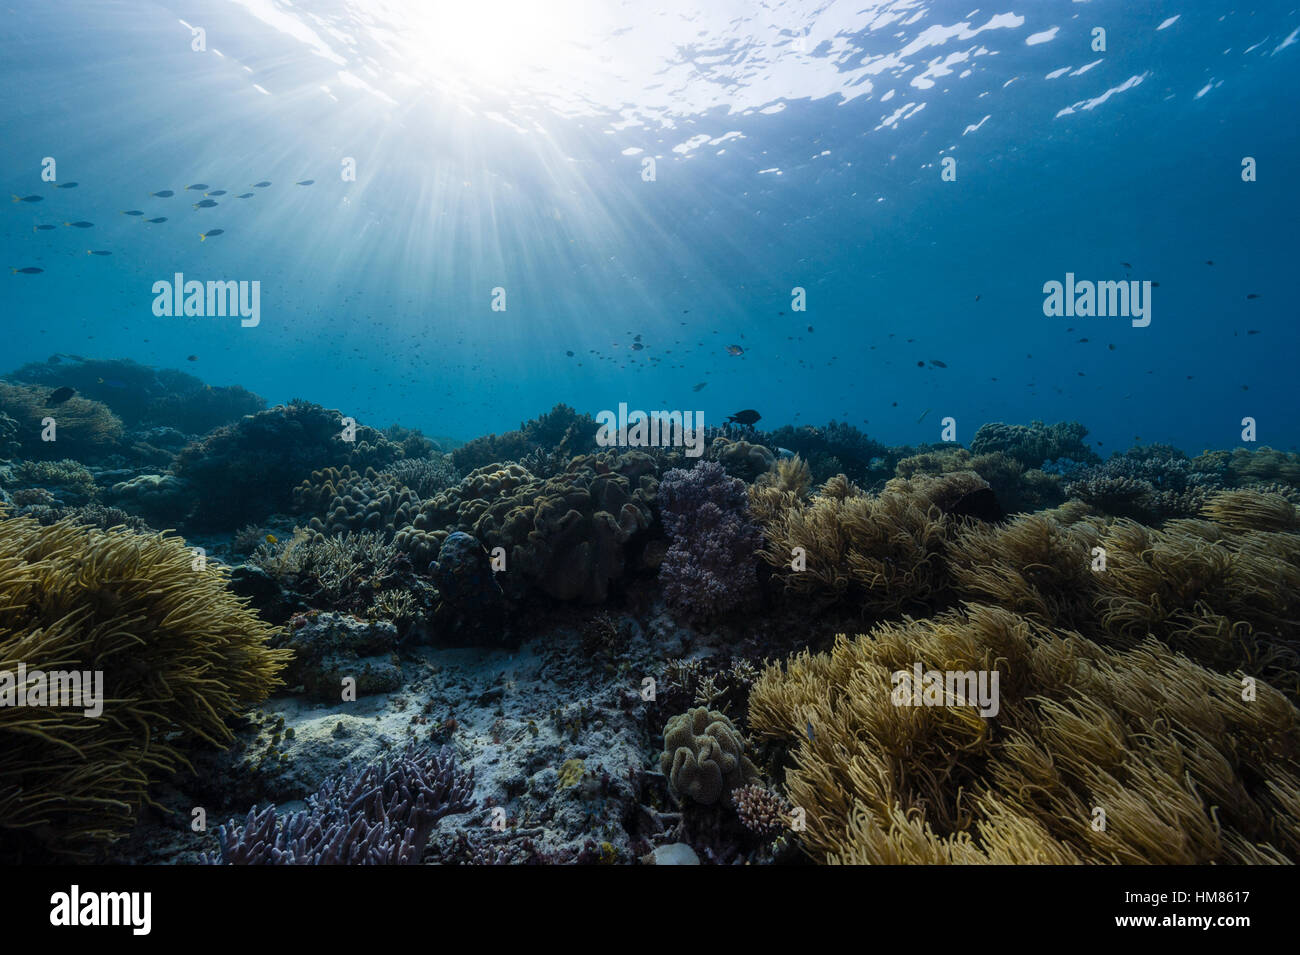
(796, 145)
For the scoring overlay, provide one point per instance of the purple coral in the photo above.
(380, 816)
(710, 567)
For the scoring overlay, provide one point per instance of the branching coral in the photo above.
(178, 652)
(1182, 768)
(709, 569)
(382, 815)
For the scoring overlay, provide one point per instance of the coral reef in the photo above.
(838, 449)
(560, 429)
(1179, 767)
(1030, 446)
(1151, 484)
(84, 429)
(471, 606)
(709, 569)
(329, 647)
(564, 535)
(382, 815)
(704, 756)
(178, 653)
(248, 470)
(66, 482)
(145, 397)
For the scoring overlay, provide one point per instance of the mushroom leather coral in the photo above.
(179, 654)
(704, 756)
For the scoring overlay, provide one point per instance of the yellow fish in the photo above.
(270, 539)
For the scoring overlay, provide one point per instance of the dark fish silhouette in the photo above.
(66, 185)
(210, 233)
(42, 228)
(80, 225)
(157, 220)
(1252, 331)
(747, 417)
(132, 212)
(735, 350)
(306, 182)
(164, 194)
(216, 192)
(246, 195)
(937, 363)
(205, 204)
(569, 353)
(60, 395)
(30, 270)
(26, 198)
(191, 357)
(200, 186)
(1126, 265)
(261, 185)
(1252, 295)
(97, 252)
(700, 386)
(637, 346)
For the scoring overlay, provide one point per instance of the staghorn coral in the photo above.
(704, 756)
(179, 655)
(1185, 770)
(346, 572)
(709, 568)
(382, 815)
(84, 429)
